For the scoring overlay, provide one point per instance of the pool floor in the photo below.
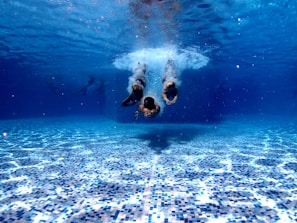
(55, 170)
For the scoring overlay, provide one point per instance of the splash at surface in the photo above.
(189, 58)
(156, 59)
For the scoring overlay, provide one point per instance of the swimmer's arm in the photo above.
(141, 108)
(168, 102)
(157, 110)
(147, 112)
(164, 96)
(174, 99)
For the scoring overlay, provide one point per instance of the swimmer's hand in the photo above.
(147, 113)
(168, 102)
(150, 113)
(136, 115)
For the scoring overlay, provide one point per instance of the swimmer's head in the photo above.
(149, 103)
(170, 84)
(136, 88)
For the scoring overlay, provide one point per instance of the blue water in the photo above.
(235, 57)
(224, 152)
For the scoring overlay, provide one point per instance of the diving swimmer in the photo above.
(149, 108)
(137, 83)
(169, 80)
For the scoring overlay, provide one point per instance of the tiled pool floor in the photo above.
(54, 171)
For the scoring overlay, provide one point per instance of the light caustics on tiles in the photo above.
(127, 175)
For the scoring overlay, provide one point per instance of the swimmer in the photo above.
(137, 83)
(170, 91)
(149, 108)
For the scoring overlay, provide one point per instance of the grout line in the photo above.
(147, 191)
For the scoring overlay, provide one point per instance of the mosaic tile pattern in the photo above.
(95, 171)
